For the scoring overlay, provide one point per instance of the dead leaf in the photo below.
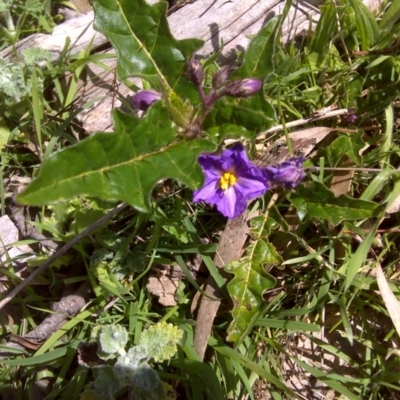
(9, 235)
(230, 248)
(24, 342)
(87, 355)
(388, 297)
(341, 182)
(164, 288)
(395, 206)
(317, 134)
(303, 143)
(83, 6)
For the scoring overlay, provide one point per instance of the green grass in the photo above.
(324, 327)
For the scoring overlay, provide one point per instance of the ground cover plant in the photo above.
(235, 236)
(19, 19)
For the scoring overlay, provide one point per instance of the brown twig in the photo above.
(28, 231)
(68, 306)
(9, 296)
(303, 121)
(229, 249)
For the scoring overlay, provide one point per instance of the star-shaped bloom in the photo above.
(230, 181)
(288, 173)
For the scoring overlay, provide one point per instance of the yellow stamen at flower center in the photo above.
(227, 180)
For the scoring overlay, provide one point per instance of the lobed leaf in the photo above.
(147, 385)
(105, 386)
(241, 117)
(141, 36)
(345, 145)
(247, 287)
(259, 57)
(113, 339)
(317, 201)
(124, 165)
(129, 362)
(161, 340)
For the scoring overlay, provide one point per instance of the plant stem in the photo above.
(9, 23)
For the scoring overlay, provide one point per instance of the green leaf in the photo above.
(357, 143)
(317, 201)
(203, 378)
(106, 384)
(328, 379)
(367, 26)
(377, 184)
(260, 55)
(357, 259)
(113, 339)
(4, 6)
(337, 150)
(12, 80)
(107, 269)
(147, 385)
(325, 30)
(289, 325)
(241, 117)
(233, 354)
(345, 145)
(160, 340)
(391, 15)
(129, 362)
(143, 41)
(33, 55)
(253, 114)
(124, 165)
(46, 358)
(4, 134)
(247, 287)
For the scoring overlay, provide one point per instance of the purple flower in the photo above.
(289, 173)
(351, 116)
(195, 72)
(244, 88)
(230, 181)
(220, 78)
(144, 99)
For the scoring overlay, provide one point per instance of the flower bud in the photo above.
(220, 77)
(195, 72)
(144, 99)
(244, 88)
(350, 117)
(288, 174)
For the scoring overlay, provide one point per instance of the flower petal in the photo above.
(243, 88)
(232, 204)
(235, 158)
(289, 173)
(252, 186)
(210, 193)
(211, 166)
(144, 99)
